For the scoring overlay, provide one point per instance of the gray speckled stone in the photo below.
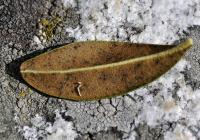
(193, 56)
(104, 119)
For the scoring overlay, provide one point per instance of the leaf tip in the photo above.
(190, 41)
(187, 43)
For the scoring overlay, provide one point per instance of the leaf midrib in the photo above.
(185, 45)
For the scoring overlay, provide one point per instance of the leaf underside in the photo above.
(98, 69)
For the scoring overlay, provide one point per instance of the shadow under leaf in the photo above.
(13, 68)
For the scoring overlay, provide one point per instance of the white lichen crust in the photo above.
(168, 108)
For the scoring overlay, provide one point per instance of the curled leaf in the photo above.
(99, 69)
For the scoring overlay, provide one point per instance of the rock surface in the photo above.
(165, 109)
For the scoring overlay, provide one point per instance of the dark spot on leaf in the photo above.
(157, 61)
(76, 47)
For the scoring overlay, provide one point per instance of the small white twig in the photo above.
(78, 88)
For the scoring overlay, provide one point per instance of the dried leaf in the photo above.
(99, 69)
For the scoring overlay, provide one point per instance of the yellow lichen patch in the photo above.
(49, 26)
(45, 22)
(30, 90)
(22, 94)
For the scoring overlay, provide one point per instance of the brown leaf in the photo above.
(99, 69)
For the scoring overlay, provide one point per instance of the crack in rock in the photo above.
(164, 108)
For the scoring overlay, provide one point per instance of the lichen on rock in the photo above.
(165, 109)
